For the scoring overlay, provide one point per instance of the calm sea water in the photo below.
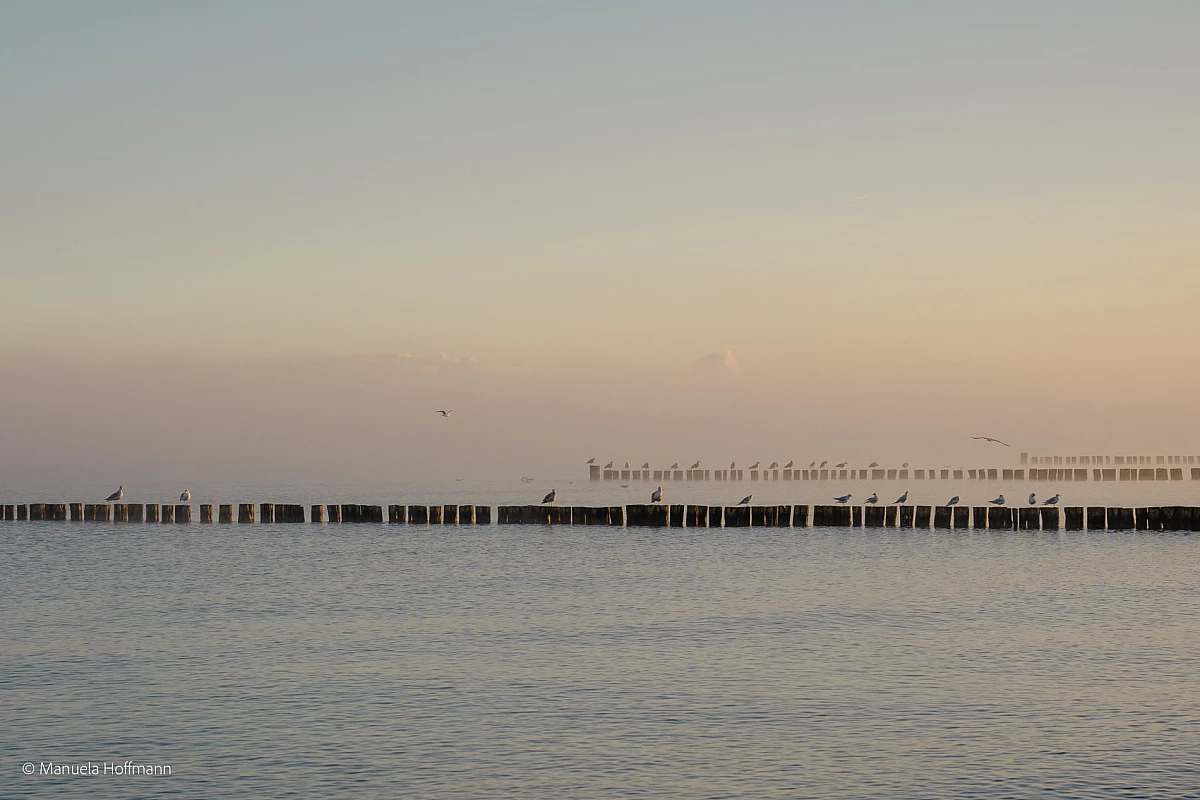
(335, 661)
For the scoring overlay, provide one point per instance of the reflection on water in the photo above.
(332, 661)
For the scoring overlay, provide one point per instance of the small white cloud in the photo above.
(722, 363)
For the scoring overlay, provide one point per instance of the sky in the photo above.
(657, 231)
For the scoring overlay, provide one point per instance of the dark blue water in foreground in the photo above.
(336, 661)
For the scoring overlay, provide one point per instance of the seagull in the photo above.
(695, 465)
(656, 495)
(990, 439)
(1032, 499)
(550, 497)
(813, 464)
(186, 497)
(754, 465)
(904, 465)
(745, 501)
(446, 412)
(873, 465)
(608, 465)
(999, 501)
(843, 498)
(953, 501)
(788, 465)
(117, 495)
(902, 499)
(774, 464)
(675, 465)
(591, 460)
(733, 465)
(646, 465)
(873, 499)
(823, 463)
(1053, 501)
(841, 465)
(626, 465)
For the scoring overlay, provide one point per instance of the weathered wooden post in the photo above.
(316, 513)
(76, 512)
(419, 515)
(941, 517)
(225, 513)
(183, 513)
(167, 513)
(889, 516)
(1028, 519)
(266, 513)
(800, 516)
(466, 515)
(998, 518)
(697, 516)
(396, 514)
(737, 517)
(450, 515)
(22, 512)
(435, 515)
(962, 516)
(483, 515)
(37, 512)
(922, 516)
(856, 516)
(245, 513)
(716, 516)
(1073, 518)
(333, 512)
(1120, 519)
(1095, 518)
(120, 512)
(907, 516)
(676, 516)
(979, 517)
(873, 516)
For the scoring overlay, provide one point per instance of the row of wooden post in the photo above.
(1078, 474)
(1179, 518)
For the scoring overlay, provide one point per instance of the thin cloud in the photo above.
(724, 362)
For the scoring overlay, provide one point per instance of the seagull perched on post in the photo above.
(999, 501)
(446, 412)
(953, 501)
(823, 463)
(841, 465)
(843, 499)
(990, 439)
(608, 465)
(902, 499)
(873, 499)
(732, 465)
(656, 495)
(646, 465)
(788, 465)
(745, 501)
(1052, 501)
(117, 495)
(813, 464)
(774, 464)
(1032, 499)
(186, 497)
(904, 465)
(591, 460)
(626, 465)
(694, 465)
(675, 465)
(754, 465)
(550, 497)
(873, 465)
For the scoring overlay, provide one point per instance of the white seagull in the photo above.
(999, 501)
(1032, 499)
(117, 495)
(873, 499)
(902, 499)
(953, 501)
(446, 412)
(550, 497)
(745, 501)
(843, 498)
(1053, 501)
(656, 495)
(186, 497)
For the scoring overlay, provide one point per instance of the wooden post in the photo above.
(1073, 518)
(593, 472)
(435, 515)
(856, 514)
(941, 517)
(120, 512)
(183, 513)
(676, 516)
(449, 515)
(152, 512)
(873, 516)
(962, 516)
(648, 515)
(22, 512)
(1120, 519)
(800, 516)
(697, 516)
(737, 517)
(225, 513)
(716, 516)
(998, 518)
(1028, 519)
(979, 517)
(419, 515)
(1095, 518)
(921, 518)
(245, 513)
(266, 513)
(616, 516)
(76, 512)
(167, 513)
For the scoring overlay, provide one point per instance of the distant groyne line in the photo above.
(1056, 474)
(1071, 518)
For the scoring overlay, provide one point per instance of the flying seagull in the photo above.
(695, 465)
(902, 499)
(999, 501)
(1052, 501)
(990, 439)
(788, 465)
(873, 499)
(745, 501)
(656, 495)
(446, 412)
(550, 497)
(1032, 499)
(843, 498)
(953, 501)
(755, 465)
(186, 497)
(591, 460)
(873, 465)
(117, 495)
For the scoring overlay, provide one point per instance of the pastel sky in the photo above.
(751, 222)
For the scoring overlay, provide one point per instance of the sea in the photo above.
(416, 661)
